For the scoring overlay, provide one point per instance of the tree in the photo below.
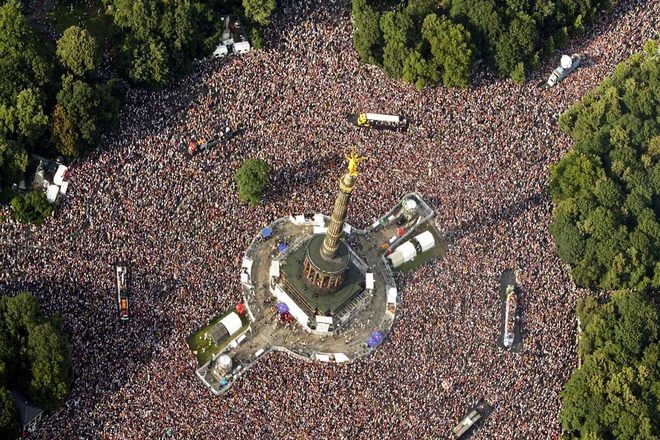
(32, 207)
(509, 35)
(259, 11)
(64, 136)
(367, 36)
(451, 48)
(34, 351)
(78, 51)
(149, 65)
(32, 122)
(80, 104)
(13, 161)
(8, 415)
(21, 65)
(605, 222)
(396, 27)
(615, 393)
(517, 45)
(417, 71)
(112, 95)
(252, 179)
(394, 55)
(49, 354)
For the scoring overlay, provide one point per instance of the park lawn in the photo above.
(91, 15)
(206, 349)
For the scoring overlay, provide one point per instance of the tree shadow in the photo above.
(303, 174)
(107, 353)
(480, 222)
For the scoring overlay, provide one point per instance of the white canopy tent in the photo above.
(232, 323)
(275, 269)
(52, 192)
(425, 240)
(391, 295)
(58, 179)
(369, 281)
(402, 254)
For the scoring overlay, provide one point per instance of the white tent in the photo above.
(51, 193)
(275, 269)
(247, 264)
(403, 253)
(347, 229)
(58, 179)
(370, 281)
(565, 61)
(322, 357)
(232, 323)
(319, 220)
(241, 47)
(425, 240)
(341, 357)
(220, 51)
(320, 230)
(391, 295)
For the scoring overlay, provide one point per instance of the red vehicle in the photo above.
(122, 291)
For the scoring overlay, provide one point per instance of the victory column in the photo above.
(308, 293)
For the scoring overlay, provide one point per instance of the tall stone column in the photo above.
(335, 230)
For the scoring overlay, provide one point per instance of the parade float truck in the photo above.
(122, 291)
(509, 316)
(202, 144)
(378, 121)
(567, 65)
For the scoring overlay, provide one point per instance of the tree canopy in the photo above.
(252, 179)
(34, 351)
(441, 40)
(607, 188)
(78, 51)
(615, 393)
(32, 207)
(8, 415)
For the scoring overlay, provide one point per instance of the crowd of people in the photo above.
(479, 156)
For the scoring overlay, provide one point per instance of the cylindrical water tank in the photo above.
(225, 362)
(409, 207)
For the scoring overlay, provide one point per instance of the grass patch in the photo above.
(204, 348)
(69, 13)
(91, 15)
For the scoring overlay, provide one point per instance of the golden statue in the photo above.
(353, 160)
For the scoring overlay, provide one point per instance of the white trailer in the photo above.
(378, 120)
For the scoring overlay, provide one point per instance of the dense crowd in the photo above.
(480, 158)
